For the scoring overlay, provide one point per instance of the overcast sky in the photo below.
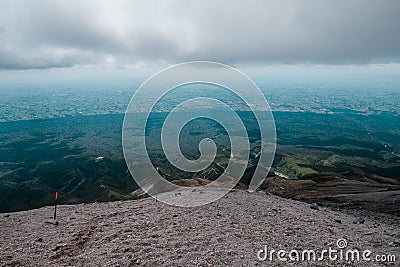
(45, 34)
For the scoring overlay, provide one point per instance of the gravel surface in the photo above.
(228, 232)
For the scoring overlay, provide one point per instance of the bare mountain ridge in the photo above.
(228, 232)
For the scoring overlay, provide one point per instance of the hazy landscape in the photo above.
(199, 133)
(322, 136)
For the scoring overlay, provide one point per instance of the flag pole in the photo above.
(55, 207)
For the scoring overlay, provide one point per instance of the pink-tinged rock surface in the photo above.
(228, 232)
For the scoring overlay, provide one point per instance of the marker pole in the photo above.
(55, 207)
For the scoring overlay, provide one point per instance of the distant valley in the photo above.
(81, 156)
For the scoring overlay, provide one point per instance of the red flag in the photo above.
(56, 195)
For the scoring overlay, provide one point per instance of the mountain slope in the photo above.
(228, 232)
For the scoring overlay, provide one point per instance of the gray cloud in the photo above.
(42, 34)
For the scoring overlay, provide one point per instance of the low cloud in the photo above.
(44, 34)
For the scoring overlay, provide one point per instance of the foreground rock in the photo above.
(228, 232)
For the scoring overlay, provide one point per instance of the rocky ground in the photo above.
(228, 232)
(345, 190)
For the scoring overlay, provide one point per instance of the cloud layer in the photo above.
(43, 34)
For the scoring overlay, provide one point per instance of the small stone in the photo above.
(51, 221)
(6, 215)
(338, 220)
(314, 206)
(39, 239)
(59, 246)
(369, 233)
(358, 220)
(272, 210)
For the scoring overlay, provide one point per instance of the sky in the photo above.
(44, 34)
